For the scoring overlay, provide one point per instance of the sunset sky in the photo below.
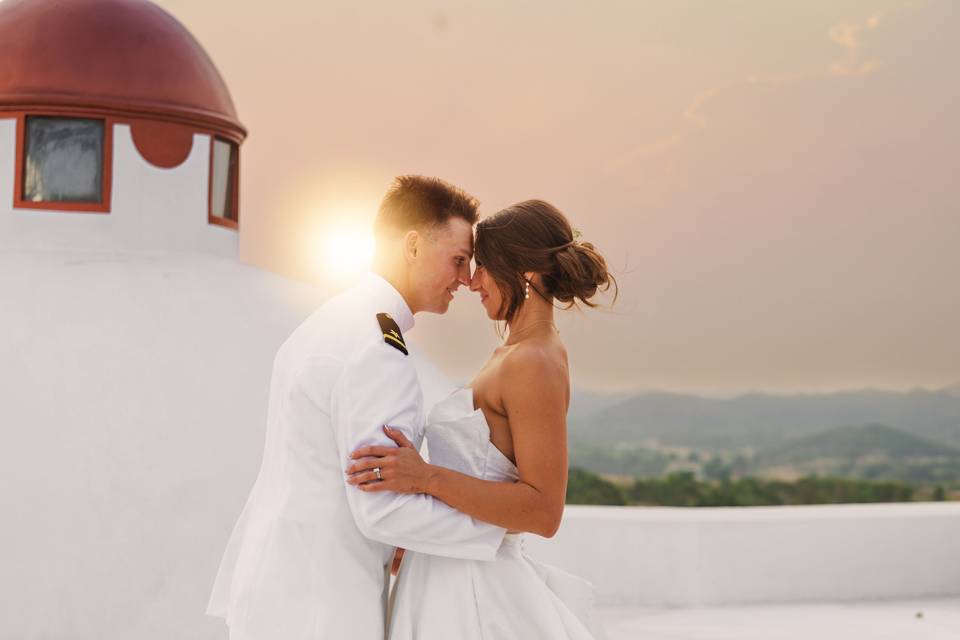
(773, 183)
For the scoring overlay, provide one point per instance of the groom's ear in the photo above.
(411, 242)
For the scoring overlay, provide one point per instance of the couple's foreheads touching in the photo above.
(427, 230)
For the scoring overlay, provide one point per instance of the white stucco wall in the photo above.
(132, 401)
(135, 356)
(661, 556)
(133, 391)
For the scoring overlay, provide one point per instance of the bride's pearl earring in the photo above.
(526, 291)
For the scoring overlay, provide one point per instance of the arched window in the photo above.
(63, 163)
(224, 170)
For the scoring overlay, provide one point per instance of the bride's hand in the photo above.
(402, 470)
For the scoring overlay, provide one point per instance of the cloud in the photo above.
(850, 36)
(692, 112)
(846, 34)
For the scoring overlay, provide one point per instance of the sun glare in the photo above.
(344, 253)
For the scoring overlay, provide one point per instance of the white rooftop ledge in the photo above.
(696, 557)
(888, 620)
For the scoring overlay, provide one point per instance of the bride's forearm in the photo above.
(516, 506)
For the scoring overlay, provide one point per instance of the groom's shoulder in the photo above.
(346, 327)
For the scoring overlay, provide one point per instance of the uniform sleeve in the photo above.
(377, 388)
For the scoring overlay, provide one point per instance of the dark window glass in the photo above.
(63, 160)
(223, 180)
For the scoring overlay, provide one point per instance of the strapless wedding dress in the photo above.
(510, 598)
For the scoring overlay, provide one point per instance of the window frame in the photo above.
(106, 178)
(233, 179)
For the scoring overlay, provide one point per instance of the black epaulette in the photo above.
(391, 332)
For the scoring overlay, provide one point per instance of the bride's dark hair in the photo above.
(535, 236)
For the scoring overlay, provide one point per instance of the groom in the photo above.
(308, 558)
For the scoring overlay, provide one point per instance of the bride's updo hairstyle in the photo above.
(535, 236)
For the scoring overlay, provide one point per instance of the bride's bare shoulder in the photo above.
(537, 360)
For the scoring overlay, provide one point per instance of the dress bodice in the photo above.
(512, 596)
(458, 437)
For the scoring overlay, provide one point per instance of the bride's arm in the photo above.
(535, 399)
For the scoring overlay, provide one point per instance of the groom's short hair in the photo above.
(419, 202)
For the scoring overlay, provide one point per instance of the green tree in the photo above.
(584, 487)
(716, 469)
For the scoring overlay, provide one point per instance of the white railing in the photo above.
(665, 556)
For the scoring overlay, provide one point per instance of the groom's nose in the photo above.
(475, 280)
(463, 275)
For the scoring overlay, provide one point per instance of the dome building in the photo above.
(136, 348)
(110, 111)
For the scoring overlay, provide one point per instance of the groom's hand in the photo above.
(402, 470)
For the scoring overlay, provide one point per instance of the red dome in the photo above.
(125, 57)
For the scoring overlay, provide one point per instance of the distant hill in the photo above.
(854, 442)
(867, 452)
(764, 421)
(584, 404)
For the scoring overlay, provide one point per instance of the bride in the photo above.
(498, 448)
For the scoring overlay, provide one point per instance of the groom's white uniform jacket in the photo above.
(306, 559)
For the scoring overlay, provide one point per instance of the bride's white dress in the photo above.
(510, 598)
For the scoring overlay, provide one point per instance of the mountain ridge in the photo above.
(854, 441)
(761, 420)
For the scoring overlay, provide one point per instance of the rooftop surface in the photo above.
(935, 619)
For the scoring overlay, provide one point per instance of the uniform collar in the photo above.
(390, 299)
